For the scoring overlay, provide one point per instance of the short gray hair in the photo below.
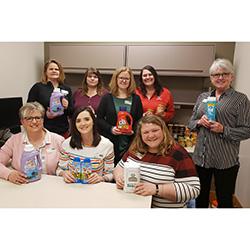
(221, 63)
(29, 107)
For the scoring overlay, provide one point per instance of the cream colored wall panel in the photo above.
(21, 66)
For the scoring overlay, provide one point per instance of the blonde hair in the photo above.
(29, 107)
(113, 83)
(61, 73)
(138, 145)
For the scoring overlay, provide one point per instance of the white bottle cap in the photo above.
(211, 98)
(28, 148)
(56, 90)
(64, 92)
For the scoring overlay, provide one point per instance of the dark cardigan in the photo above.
(107, 117)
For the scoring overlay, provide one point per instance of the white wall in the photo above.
(242, 65)
(21, 66)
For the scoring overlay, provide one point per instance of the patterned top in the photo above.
(177, 168)
(221, 151)
(102, 157)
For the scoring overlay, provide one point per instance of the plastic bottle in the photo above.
(131, 175)
(76, 169)
(124, 120)
(31, 163)
(86, 170)
(211, 108)
(56, 107)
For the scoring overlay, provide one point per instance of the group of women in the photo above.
(168, 173)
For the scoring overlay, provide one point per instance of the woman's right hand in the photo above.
(68, 177)
(204, 122)
(17, 177)
(119, 182)
(49, 114)
(149, 112)
(116, 131)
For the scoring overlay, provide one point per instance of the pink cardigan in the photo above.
(13, 149)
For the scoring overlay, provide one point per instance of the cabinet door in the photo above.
(188, 60)
(77, 57)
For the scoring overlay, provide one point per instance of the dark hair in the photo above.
(76, 139)
(157, 84)
(96, 72)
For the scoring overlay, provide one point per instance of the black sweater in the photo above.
(41, 93)
(107, 117)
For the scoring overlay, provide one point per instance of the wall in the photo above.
(21, 65)
(242, 65)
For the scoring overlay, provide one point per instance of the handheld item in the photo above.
(124, 121)
(131, 176)
(31, 163)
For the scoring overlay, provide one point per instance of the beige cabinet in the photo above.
(168, 59)
(75, 58)
(182, 60)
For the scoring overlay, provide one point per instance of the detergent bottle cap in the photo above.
(57, 90)
(28, 147)
(64, 92)
(77, 159)
(87, 160)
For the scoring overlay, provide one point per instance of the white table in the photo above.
(53, 192)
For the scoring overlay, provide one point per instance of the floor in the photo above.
(213, 202)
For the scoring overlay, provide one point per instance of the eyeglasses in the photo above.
(219, 75)
(124, 79)
(31, 118)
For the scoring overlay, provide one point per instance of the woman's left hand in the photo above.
(145, 189)
(65, 103)
(160, 110)
(95, 178)
(216, 127)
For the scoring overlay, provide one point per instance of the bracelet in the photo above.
(157, 189)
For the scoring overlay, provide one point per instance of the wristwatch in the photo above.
(157, 189)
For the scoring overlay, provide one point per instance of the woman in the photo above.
(53, 77)
(155, 99)
(47, 143)
(166, 169)
(122, 95)
(91, 92)
(217, 149)
(85, 142)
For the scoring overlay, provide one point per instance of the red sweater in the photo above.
(165, 98)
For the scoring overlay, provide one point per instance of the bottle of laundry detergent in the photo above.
(31, 163)
(76, 169)
(56, 107)
(86, 170)
(124, 120)
(211, 108)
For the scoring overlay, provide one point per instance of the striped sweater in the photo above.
(177, 168)
(221, 151)
(102, 157)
